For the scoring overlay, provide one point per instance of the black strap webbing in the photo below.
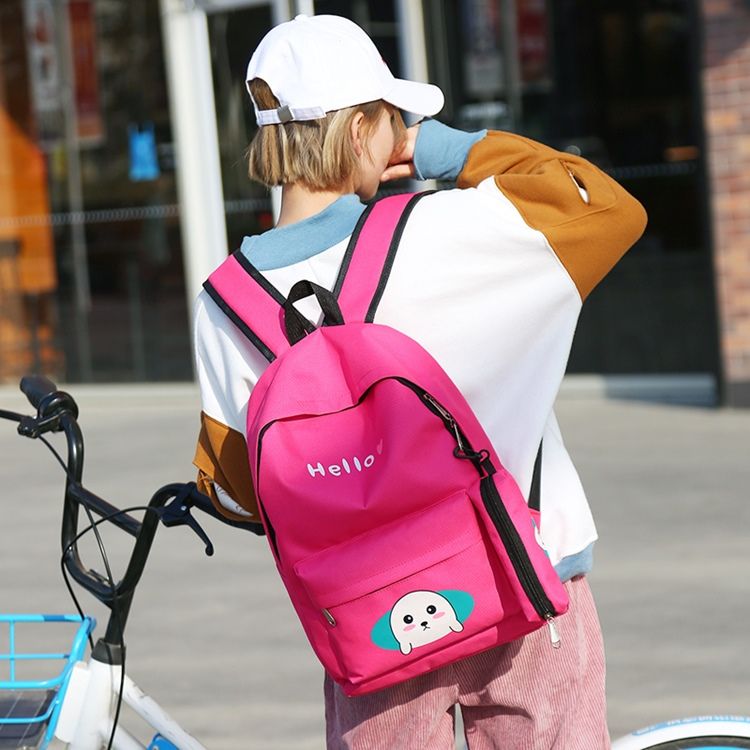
(535, 493)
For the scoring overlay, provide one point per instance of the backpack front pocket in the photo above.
(407, 589)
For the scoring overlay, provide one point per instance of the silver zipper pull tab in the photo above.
(331, 619)
(443, 412)
(449, 420)
(554, 633)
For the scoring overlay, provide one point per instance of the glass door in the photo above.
(234, 34)
(617, 82)
(91, 272)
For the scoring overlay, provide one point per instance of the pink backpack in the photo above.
(403, 543)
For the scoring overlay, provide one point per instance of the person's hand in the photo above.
(401, 164)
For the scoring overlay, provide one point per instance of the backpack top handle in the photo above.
(296, 325)
(261, 312)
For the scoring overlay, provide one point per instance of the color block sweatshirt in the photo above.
(489, 277)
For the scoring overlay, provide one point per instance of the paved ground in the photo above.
(217, 643)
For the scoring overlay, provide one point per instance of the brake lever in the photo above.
(33, 427)
(177, 513)
(51, 407)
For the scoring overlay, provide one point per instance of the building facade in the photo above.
(116, 196)
(726, 85)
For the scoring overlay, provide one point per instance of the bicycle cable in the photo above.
(93, 526)
(115, 609)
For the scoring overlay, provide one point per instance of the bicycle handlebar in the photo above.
(36, 387)
(43, 395)
(57, 411)
(144, 533)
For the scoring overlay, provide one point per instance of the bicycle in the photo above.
(79, 704)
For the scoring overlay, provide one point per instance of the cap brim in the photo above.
(423, 99)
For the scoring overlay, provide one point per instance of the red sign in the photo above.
(83, 52)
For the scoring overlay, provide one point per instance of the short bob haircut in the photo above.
(318, 154)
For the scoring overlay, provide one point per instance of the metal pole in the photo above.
(193, 116)
(281, 10)
(81, 283)
(411, 40)
(280, 13)
(306, 7)
(413, 51)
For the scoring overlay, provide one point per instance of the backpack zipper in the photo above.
(450, 423)
(271, 530)
(480, 459)
(499, 515)
(519, 557)
(490, 497)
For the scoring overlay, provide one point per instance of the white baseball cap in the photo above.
(318, 64)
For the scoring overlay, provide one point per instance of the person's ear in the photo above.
(357, 134)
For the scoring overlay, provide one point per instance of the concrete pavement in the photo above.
(215, 639)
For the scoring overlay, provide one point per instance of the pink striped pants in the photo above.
(521, 696)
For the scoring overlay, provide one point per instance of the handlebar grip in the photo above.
(36, 387)
(49, 402)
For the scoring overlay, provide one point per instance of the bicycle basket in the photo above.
(31, 696)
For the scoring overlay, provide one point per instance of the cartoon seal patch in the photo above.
(422, 617)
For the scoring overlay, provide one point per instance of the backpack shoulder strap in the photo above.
(369, 258)
(535, 493)
(365, 270)
(257, 308)
(251, 303)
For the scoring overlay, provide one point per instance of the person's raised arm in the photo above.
(589, 220)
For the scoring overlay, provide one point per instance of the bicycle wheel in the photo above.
(703, 743)
(697, 733)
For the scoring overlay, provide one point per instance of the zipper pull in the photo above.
(330, 618)
(554, 633)
(443, 413)
(448, 419)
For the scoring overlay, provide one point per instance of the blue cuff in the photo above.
(441, 151)
(576, 565)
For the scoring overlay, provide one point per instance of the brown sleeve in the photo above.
(221, 457)
(588, 235)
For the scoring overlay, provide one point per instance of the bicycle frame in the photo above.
(79, 704)
(86, 718)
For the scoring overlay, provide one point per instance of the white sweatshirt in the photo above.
(489, 278)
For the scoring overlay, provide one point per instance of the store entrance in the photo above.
(617, 82)
(628, 93)
(91, 272)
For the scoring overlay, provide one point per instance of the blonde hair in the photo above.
(319, 154)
